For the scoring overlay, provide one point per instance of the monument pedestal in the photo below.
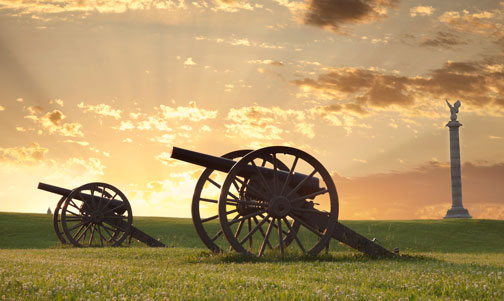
(457, 210)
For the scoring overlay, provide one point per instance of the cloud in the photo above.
(23, 155)
(2, 108)
(101, 109)
(53, 123)
(331, 15)
(443, 39)
(485, 23)
(82, 143)
(245, 42)
(232, 5)
(423, 192)
(189, 62)
(263, 123)
(79, 6)
(54, 101)
(479, 84)
(421, 11)
(190, 113)
(267, 62)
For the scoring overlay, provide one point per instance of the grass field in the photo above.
(455, 259)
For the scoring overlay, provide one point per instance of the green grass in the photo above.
(455, 259)
(22, 231)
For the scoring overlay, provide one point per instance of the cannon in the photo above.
(95, 214)
(276, 198)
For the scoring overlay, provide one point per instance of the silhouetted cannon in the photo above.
(95, 214)
(282, 189)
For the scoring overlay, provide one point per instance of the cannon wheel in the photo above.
(210, 236)
(57, 220)
(280, 204)
(96, 214)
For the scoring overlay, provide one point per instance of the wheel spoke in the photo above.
(217, 235)
(111, 236)
(71, 203)
(78, 231)
(299, 220)
(208, 200)
(262, 231)
(216, 216)
(109, 201)
(261, 176)
(266, 238)
(291, 172)
(92, 235)
(253, 230)
(249, 227)
(247, 216)
(298, 186)
(280, 238)
(101, 198)
(100, 235)
(213, 182)
(309, 196)
(83, 233)
(247, 187)
(275, 181)
(114, 209)
(238, 230)
(77, 225)
(73, 213)
(294, 234)
(247, 202)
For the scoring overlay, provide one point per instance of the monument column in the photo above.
(457, 210)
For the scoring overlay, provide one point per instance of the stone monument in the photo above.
(457, 210)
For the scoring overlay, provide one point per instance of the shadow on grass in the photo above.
(276, 257)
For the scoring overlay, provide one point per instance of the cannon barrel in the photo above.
(65, 192)
(225, 165)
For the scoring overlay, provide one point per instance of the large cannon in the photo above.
(280, 190)
(95, 214)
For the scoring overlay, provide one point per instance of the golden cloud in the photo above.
(479, 84)
(101, 109)
(191, 113)
(53, 123)
(23, 155)
(264, 123)
(485, 23)
(331, 15)
(421, 11)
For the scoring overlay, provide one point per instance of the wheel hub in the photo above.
(279, 207)
(97, 217)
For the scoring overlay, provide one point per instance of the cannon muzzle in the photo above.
(225, 165)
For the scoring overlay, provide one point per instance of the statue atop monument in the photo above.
(454, 109)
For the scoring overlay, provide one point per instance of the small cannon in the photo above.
(95, 214)
(282, 189)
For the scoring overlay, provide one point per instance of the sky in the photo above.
(99, 91)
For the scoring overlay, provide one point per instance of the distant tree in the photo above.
(49, 210)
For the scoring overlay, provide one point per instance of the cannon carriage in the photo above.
(95, 214)
(277, 199)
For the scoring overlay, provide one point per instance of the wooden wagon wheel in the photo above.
(204, 207)
(96, 214)
(280, 202)
(57, 220)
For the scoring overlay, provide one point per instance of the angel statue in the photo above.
(454, 109)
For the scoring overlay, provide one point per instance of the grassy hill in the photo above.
(454, 259)
(35, 231)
